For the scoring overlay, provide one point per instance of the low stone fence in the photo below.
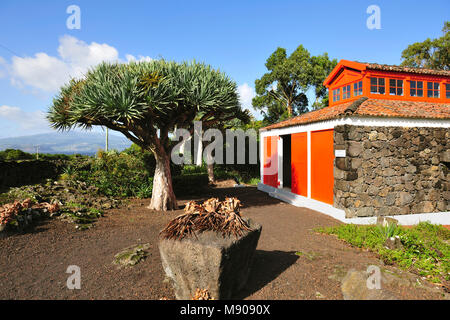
(17, 173)
(392, 170)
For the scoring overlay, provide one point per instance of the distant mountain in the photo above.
(65, 142)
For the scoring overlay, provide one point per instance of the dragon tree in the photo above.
(146, 101)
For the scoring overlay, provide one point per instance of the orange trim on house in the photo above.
(322, 166)
(349, 72)
(312, 150)
(299, 163)
(271, 159)
(373, 108)
(342, 65)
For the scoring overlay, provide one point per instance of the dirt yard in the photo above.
(33, 265)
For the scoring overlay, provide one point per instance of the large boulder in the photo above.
(209, 261)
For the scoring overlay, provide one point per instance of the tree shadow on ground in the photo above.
(249, 196)
(33, 228)
(267, 266)
(29, 182)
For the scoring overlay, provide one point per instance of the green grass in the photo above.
(192, 169)
(425, 247)
(223, 173)
(84, 218)
(253, 181)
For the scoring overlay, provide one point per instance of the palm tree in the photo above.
(146, 101)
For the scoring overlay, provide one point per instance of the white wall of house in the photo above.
(339, 214)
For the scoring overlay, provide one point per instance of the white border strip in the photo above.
(339, 214)
(308, 165)
(360, 121)
(262, 152)
(442, 218)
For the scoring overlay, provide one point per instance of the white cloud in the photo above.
(30, 121)
(75, 57)
(246, 94)
(49, 73)
(42, 71)
(80, 56)
(2, 67)
(130, 58)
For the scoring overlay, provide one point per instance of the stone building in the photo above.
(381, 147)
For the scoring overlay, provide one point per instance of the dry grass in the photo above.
(202, 295)
(10, 210)
(213, 215)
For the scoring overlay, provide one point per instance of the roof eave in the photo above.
(342, 64)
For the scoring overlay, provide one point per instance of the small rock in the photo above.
(354, 287)
(373, 135)
(385, 221)
(393, 243)
(131, 255)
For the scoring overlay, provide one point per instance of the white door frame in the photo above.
(280, 162)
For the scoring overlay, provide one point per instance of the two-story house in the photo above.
(381, 147)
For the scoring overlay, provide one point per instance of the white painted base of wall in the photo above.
(339, 214)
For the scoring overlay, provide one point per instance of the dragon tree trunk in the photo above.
(163, 197)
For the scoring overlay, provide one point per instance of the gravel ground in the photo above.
(33, 265)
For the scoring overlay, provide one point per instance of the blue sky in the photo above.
(38, 52)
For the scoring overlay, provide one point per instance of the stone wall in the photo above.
(17, 173)
(392, 170)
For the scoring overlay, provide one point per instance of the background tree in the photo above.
(244, 118)
(146, 101)
(322, 67)
(431, 53)
(241, 118)
(320, 103)
(281, 92)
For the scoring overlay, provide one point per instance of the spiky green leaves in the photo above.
(59, 115)
(144, 97)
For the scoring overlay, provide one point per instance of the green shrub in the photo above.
(149, 161)
(145, 190)
(245, 173)
(253, 181)
(55, 156)
(14, 154)
(125, 174)
(189, 183)
(193, 169)
(115, 174)
(130, 173)
(425, 246)
(241, 176)
(389, 231)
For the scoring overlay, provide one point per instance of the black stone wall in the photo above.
(17, 173)
(392, 170)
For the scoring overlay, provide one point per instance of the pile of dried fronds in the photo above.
(202, 295)
(10, 210)
(212, 215)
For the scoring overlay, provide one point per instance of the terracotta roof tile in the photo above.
(404, 109)
(372, 108)
(385, 67)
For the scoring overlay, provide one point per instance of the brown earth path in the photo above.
(33, 265)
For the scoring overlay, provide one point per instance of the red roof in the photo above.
(372, 108)
(386, 67)
(361, 66)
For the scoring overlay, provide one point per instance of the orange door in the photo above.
(322, 164)
(271, 161)
(299, 164)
